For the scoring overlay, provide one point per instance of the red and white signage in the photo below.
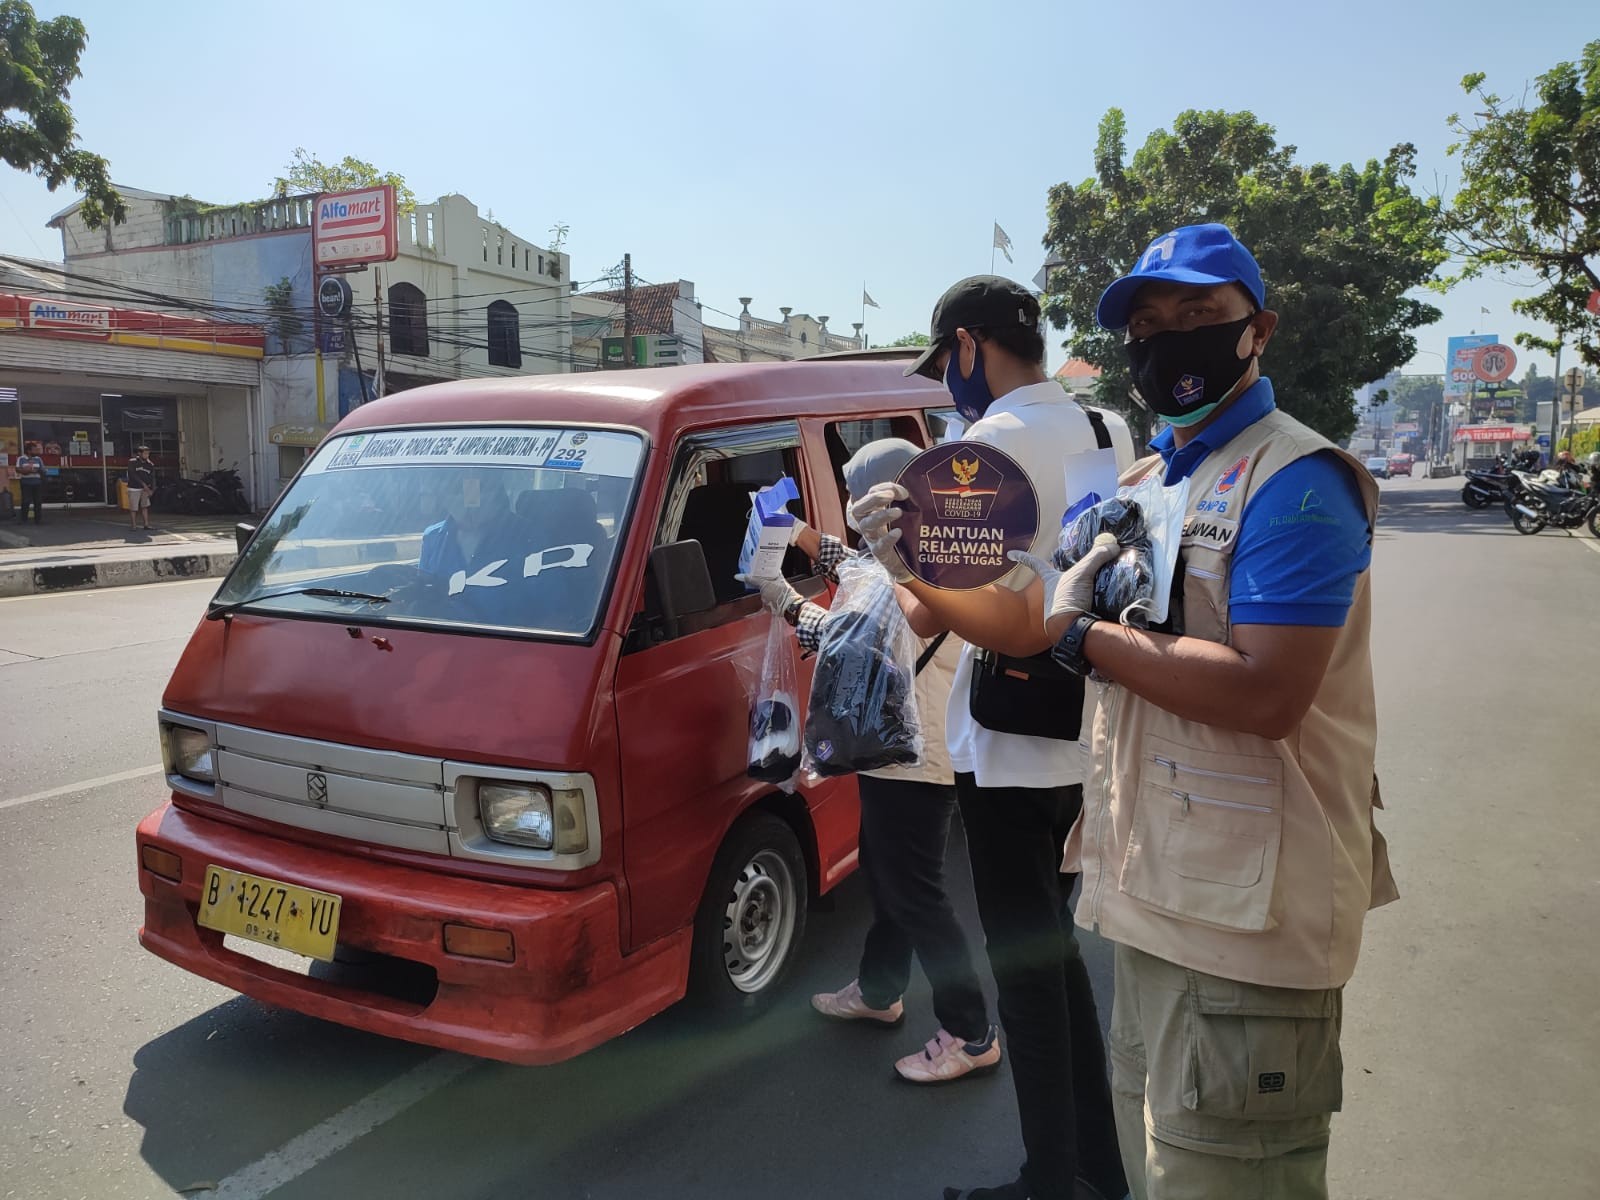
(59, 317)
(36, 316)
(1494, 364)
(354, 227)
(1594, 303)
(1491, 433)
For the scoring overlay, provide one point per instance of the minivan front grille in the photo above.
(343, 791)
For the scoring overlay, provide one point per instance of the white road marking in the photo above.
(299, 1154)
(82, 786)
(1592, 544)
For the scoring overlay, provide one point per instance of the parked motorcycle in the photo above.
(1565, 508)
(1498, 484)
(1484, 488)
(219, 491)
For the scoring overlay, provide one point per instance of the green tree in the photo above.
(1530, 192)
(1536, 387)
(306, 172)
(287, 320)
(1340, 248)
(1417, 394)
(910, 339)
(38, 60)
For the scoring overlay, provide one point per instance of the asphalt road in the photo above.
(1469, 1040)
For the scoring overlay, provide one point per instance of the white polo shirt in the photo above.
(1040, 426)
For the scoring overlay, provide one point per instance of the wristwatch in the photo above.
(791, 611)
(1068, 652)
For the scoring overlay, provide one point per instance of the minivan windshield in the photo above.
(511, 528)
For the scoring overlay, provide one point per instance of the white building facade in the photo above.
(465, 298)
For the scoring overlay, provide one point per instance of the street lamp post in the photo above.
(1436, 412)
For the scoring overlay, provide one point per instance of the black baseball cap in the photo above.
(978, 302)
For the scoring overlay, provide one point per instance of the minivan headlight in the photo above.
(189, 753)
(536, 816)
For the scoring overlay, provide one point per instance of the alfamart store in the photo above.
(89, 384)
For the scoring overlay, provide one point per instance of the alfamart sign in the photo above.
(54, 314)
(350, 228)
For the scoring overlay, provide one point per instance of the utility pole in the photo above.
(627, 310)
(377, 307)
(1555, 400)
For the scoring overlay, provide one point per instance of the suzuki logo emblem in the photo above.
(316, 787)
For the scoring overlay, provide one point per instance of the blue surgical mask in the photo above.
(972, 394)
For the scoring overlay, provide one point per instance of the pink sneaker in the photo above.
(847, 1005)
(947, 1058)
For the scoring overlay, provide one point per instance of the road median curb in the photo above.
(35, 580)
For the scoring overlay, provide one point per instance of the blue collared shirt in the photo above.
(1303, 537)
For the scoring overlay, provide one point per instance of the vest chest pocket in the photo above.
(1206, 833)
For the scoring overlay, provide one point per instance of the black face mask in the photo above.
(1184, 374)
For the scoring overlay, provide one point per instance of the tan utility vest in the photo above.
(1224, 852)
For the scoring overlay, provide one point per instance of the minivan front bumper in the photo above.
(567, 989)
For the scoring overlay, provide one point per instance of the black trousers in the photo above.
(1058, 1061)
(30, 496)
(904, 827)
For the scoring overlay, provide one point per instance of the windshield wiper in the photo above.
(223, 610)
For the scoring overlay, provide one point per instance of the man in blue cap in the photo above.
(1227, 843)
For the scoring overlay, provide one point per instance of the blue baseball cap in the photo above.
(1206, 255)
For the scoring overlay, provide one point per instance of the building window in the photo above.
(408, 320)
(505, 335)
(431, 246)
(485, 243)
(500, 250)
(541, 264)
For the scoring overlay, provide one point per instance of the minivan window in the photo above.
(511, 528)
(708, 499)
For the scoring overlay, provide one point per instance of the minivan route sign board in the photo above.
(350, 228)
(969, 506)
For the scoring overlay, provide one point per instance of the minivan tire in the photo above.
(752, 919)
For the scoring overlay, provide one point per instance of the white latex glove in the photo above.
(776, 594)
(1070, 591)
(795, 529)
(873, 514)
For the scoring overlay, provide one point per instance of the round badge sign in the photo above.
(970, 506)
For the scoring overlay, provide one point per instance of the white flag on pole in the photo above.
(867, 301)
(1002, 243)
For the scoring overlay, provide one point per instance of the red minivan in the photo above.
(457, 754)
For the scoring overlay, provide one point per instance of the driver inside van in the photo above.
(478, 531)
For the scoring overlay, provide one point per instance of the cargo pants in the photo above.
(1222, 1090)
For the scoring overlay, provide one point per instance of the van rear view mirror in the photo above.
(679, 582)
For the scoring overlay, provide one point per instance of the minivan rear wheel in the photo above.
(752, 918)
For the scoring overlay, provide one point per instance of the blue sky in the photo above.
(787, 152)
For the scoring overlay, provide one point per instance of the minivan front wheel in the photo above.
(752, 918)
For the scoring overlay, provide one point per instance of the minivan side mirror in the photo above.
(678, 583)
(242, 534)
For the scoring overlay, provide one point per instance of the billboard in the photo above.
(349, 228)
(1458, 363)
(649, 350)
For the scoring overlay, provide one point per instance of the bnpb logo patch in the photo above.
(1230, 477)
(1189, 389)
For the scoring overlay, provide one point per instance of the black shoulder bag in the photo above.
(1034, 696)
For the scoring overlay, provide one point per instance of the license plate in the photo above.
(272, 913)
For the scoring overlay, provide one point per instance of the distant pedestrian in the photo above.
(30, 472)
(141, 486)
